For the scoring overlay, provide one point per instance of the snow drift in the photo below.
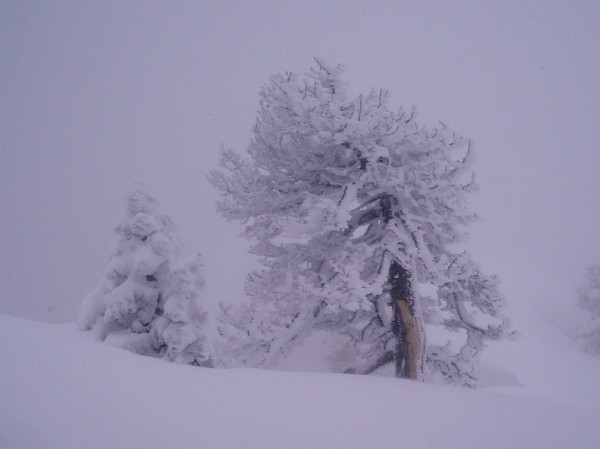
(59, 389)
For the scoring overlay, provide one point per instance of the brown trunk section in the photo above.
(409, 351)
(411, 338)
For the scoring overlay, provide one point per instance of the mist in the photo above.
(96, 95)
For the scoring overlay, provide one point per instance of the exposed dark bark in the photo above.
(408, 351)
(384, 359)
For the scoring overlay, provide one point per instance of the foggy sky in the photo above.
(95, 95)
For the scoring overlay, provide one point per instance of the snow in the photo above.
(97, 95)
(60, 389)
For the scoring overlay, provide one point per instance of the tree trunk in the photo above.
(409, 347)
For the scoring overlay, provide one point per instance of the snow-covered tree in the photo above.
(148, 301)
(589, 300)
(358, 215)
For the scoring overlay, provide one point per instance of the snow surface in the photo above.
(59, 389)
(98, 94)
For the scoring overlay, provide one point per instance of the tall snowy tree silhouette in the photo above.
(589, 300)
(358, 214)
(149, 301)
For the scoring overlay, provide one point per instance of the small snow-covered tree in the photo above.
(589, 300)
(148, 301)
(358, 215)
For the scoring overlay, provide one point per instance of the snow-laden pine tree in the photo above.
(358, 215)
(589, 300)
(148, 301)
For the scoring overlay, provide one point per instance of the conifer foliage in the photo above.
(358, 215)
(149, 301)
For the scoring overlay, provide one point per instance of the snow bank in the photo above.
(61, 390)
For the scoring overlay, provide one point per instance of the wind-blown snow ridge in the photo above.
(61, 390)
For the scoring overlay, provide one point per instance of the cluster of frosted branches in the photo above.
(337, 193)
(148, 301)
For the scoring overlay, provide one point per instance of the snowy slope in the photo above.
(60, 390)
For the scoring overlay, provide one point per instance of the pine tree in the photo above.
(358, 215)
(589, 300)
(147, 301)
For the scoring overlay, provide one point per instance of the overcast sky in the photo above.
(95, 95)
